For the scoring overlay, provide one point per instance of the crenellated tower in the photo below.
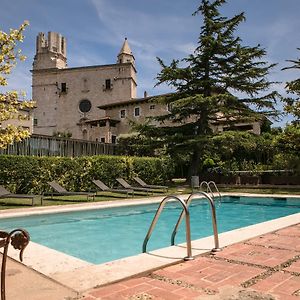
(51, 52)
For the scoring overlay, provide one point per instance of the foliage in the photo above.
(292, 105)
(10, 106)
(206, 84)
(23, 174)
(289, 140)
(286, 161)
(134, 144)
(64, 134)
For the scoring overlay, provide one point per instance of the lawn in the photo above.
(108, 196)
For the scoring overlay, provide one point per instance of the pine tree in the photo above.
(292, 105)
(206, 83)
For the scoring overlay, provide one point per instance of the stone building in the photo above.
(93, 103)
(26, 122)
(120, 114)
(68, 98)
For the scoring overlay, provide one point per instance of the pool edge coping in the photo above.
(83, 275)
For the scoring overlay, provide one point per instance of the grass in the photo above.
(108, 196)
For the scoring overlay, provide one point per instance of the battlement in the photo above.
(51, 51)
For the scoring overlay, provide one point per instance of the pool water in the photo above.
(103, 235)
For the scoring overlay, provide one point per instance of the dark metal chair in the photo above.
(19, 239)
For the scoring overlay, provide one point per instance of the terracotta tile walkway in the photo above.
(266, 268)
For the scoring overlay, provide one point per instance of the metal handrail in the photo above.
(214, 219)
(216, 188)
(208, 188)
(187, 224)
(19, 239)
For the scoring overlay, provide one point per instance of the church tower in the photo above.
(68, 99)
(125, 55)
(50, 52)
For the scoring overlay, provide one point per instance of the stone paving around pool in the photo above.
(266, 267)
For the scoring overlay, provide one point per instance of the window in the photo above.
(170, 107)
(102, 140)
(85, 105)
(35, 122)
(62, 44)
(136, 111)
(122, 113)
(113, 139)
(63, 87)
(108, 85)
(84, 134)
(152, 106)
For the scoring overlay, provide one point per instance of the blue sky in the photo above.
(95, 30)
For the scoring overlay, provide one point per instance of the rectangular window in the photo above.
(136, 111)
(169, 107)
(35, 122)
(108, 84)
(122, 113)
(113, 139)
(152, 106)
(102, 140)
(63, 88)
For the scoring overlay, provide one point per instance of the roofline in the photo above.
(131, 101)
(80, 68)
(102, 119)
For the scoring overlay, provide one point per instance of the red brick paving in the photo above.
(294, 267)
(269, 264)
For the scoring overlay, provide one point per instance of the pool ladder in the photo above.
(209, 190)
(185, 213)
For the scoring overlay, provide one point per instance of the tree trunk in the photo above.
(194, 164)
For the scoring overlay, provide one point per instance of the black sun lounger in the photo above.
(126, 185)
(145, 185)
(61, 191)
(4, 193)
(104, 188)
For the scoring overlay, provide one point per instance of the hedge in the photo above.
(29, 174)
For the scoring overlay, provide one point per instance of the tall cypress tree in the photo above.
(207, 83)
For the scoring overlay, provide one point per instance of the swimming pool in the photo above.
(103, 235)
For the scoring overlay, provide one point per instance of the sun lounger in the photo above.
(61, 191)
(126, 185)
(105, 188)
(4, 193)
(145, 185)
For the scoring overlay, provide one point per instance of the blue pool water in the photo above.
(103, 235)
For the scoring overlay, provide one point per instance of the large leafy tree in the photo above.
(10, 106)
(292, 104)
(207, 83)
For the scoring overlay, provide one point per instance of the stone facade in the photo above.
(68, 98)
(93, 103)
(26, 122)
(120, 114)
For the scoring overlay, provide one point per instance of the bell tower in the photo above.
(51, 52)
(125, 55)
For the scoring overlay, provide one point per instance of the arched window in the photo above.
(84, 134)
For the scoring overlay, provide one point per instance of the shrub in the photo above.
(29, 174)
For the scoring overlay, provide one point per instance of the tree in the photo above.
(292, 105)
(206, 84)
(10, 105)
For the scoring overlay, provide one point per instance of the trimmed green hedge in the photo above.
(29, 174)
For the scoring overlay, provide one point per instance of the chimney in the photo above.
(145, 94)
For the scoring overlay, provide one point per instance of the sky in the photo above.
(95, 31)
